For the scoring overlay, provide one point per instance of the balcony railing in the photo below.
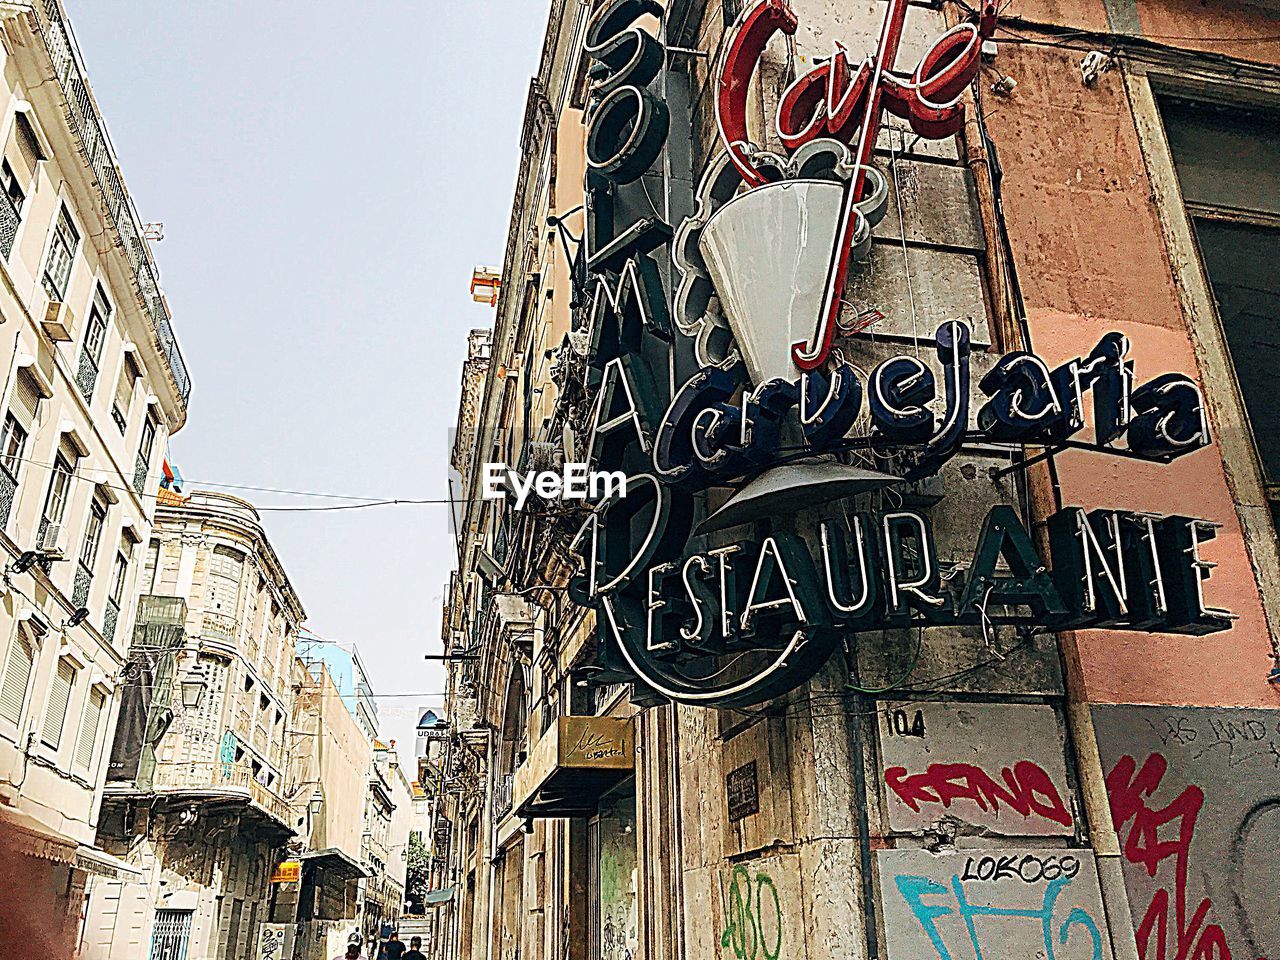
(221, 777)
(9, 221)
(220, 626)
(110, 619)
(88, 126)
(502, 795)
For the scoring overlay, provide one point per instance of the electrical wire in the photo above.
(906, 673)
(85, 474)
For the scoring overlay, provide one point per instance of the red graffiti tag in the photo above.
(1158, 834)
(1026, 788)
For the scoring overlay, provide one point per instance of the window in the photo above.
(17, 674)
(145, 446)
(93, 533)
(95, 335)
(19, 422)
(13, 443)
(225, 569)
(124, 395)
(87, 741)
(12, 188)
(62, 253)
(55, 502)
(120, 574)
(1228, 166)
(148, 440)
(55, 713)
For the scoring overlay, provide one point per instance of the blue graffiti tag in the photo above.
(914, 889)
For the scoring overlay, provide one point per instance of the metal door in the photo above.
(170, 936)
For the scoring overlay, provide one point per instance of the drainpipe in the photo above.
(1043, 498)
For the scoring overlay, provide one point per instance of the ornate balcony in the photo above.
(219, 626)
(216, 780)
(502, 796)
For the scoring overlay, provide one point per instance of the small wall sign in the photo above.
(743, 792)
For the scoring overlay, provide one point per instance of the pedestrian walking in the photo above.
(392, 948)
(414, 953)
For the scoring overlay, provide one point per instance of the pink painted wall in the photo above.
(1091, 258)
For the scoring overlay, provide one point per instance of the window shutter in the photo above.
(17, 674)
(55, 714)
(26, 400)
(28, 144)
(88, 738)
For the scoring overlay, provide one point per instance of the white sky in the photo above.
(327, 173)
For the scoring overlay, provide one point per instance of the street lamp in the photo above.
(193, 688)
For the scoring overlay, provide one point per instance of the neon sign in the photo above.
(736, 382)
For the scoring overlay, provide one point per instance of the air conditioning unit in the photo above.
(51, 541)
(58, 320)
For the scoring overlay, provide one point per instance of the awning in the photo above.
(26, 835)
(438, 896)
(332, 860)
(578, 759)
(99, 862)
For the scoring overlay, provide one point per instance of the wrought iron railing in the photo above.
(10, 218)
(110, 618)
(88, 126)
(84, 579)
(215, 775)
(8, 490)
(87, 375)
(140, 474)
(502, 797)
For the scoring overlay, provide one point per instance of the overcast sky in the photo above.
(327, 174)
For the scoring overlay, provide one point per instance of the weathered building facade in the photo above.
(93, 383)
(316, 910)
(197, 798)
(982, 667)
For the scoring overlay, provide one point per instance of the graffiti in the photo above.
(1078, 921)
(1026, 789)
(1195, 802)
(752, 915)
(1028, 868)
(1156, 835)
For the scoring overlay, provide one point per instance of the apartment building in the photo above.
(197, 799)
(914, 634)
(317, 909)
(342, 661)
(93, 384)
(388, 814)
